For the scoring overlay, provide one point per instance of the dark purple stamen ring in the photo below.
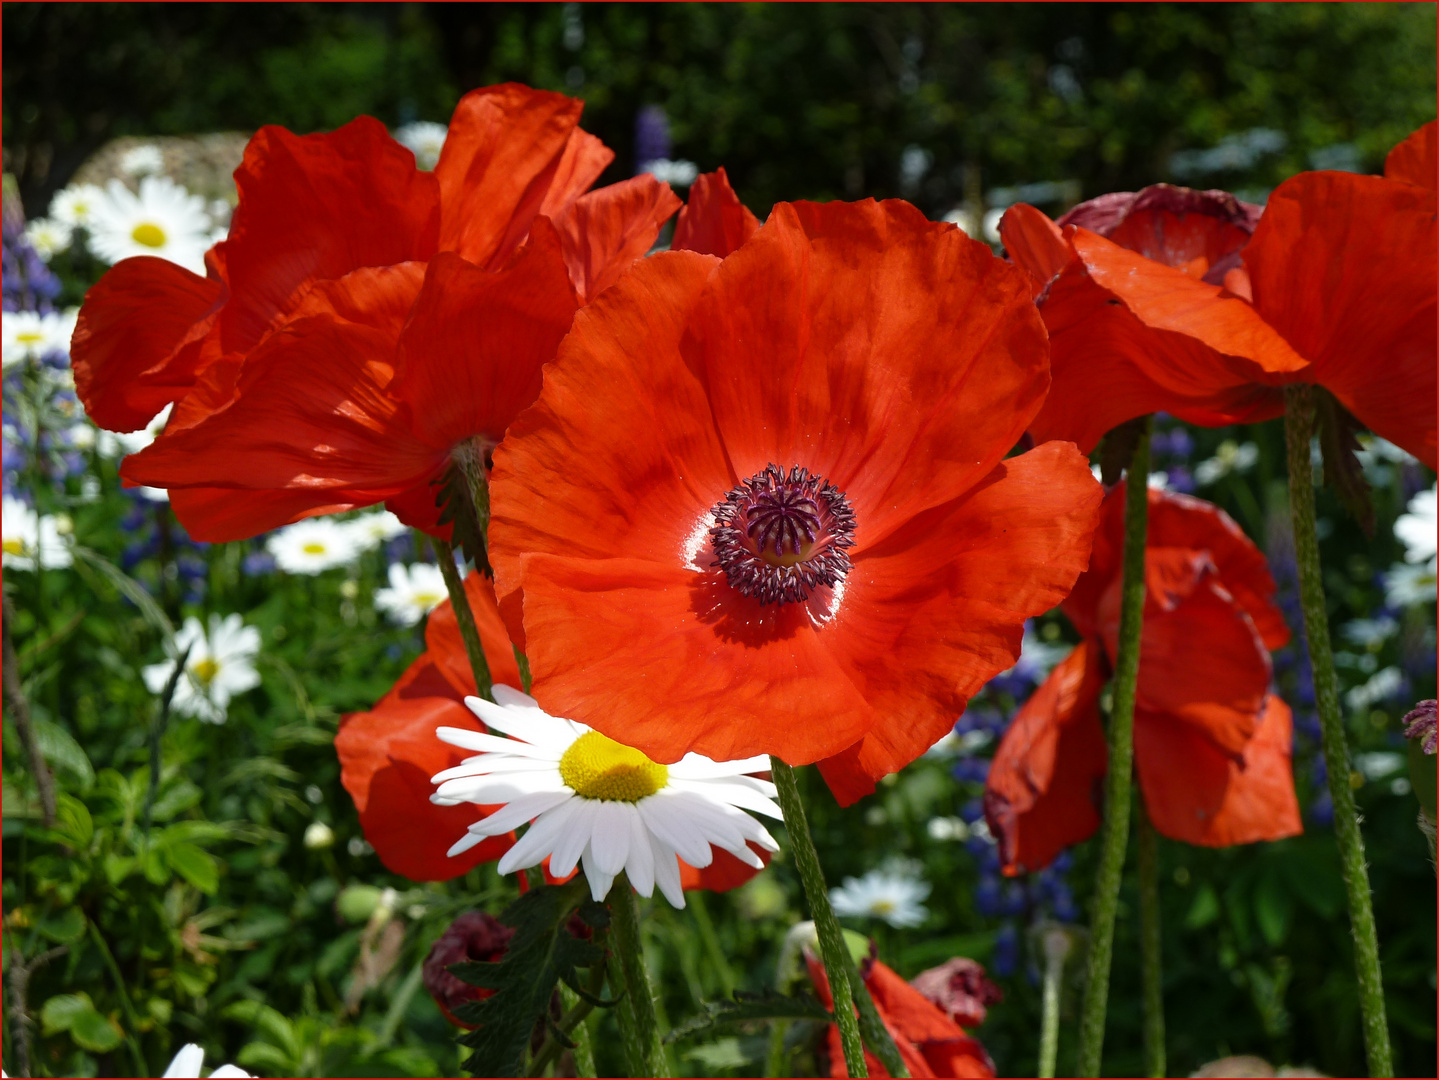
(777, 537)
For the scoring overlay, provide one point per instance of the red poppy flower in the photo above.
(1163, 300)
(1211, 744)
(929, 1042)
(763, 506)
(291, 354)
(388, 754)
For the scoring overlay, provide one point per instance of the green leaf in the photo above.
(157, 871)
(195, 865)
(63, 926)
(1273, 909)
(175, 799)
(268, 1022)
(118, 867)
(60, 1011)
(748, 1005)
(541, 953)
(94, 1032)
(265, 1058)
(1204, 910)
(73, 823)
(720, 1055)
(62, 751)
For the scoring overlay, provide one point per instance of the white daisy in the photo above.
(27, 538)
(1407, 585)
(413, 593)
(371, 530)
(896, 898)
(312, 546)
(1230, 457)
(28, 335)
(113, 444)
(220, 665)
(191, 1059)
(47, 237)
(674, 173)
(142, 160)
(425, 139)
(164, 220)
(75, 205)
(1419, 528)
(594, 801)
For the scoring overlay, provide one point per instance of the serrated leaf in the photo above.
(749, 1005)
(94, 1032)
(60, 1011)
(63, 926)
(195, 865)
(1338, 431)
(62, 751)
(541, 953)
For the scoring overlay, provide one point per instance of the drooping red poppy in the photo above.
(1164, 300)
(290, 355)
(389, 753)
(763, 505)
(929, 1042)
(1211, 743)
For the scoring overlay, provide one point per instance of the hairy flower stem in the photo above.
(1056, 945)
(832, 948)
(469, 632)
(643, 1040)
(1298, 428)
(1114, 833)
(1150, 943)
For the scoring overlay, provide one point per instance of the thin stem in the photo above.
(776, 1062)
(572, 1026)
(872, 1029)
(1298, 427)
(832, 948)
(625, 923)
(460, 602)
(132, 1036)
(1150, 943)
(19, 710)
(1114, 835)
(717, 958)
(1056, 951)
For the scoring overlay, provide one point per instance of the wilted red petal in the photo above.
(503, 153)
(127, 350)
(945, 600)
(713, 221)
(1044, 787)
(604, 232)
(1035, 242)
(1196, 793)
(1344, 267)
(1416, 159)
(1199, 232)
(387, 756)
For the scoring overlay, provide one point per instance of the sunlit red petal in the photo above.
(584, 159)
(604, 232)
(713, 221)
(127, 350)
(1416, 159)
(1036, 243)
(1044, 787)
(446, 648)
(503, 153)
(1344, 267)
(896, 339)
(1196, 793)
(387, 756)
(945, 600)
(215, 515)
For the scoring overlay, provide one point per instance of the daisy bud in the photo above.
(319, 836)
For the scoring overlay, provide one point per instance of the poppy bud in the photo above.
(475, 935)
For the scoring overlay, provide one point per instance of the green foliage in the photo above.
(748, 1006)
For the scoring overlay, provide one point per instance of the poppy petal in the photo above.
(503, 153)
(387, 756)
(901, 338)
(217, 515)
(1036, 243)
(127, 351)
(724, 873)
(1045, 781)
(713, 221)
(446, 648)
(1196, 793)
(1199, 232)
(1166, 298)
(949, 608)
(604, 232)
(320, 206)
(1416, 159)
(1343, 266)
(584, 159)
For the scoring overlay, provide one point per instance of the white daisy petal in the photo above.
(570, 846)
(600, 880)
(667, 873)
(469, 739)
(640, 865)
(510, 698)
(676, 830)
(735, 794)
(539, 839)
(610, 840)
(534, 727)
(491, 791)
(520, 811)
(699, 767)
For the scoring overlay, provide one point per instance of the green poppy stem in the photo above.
(460, 602)
(1298, 428)
(1150, 943)
(1056, 946)
(1114, 833)
(832, 948)
(642, 1041)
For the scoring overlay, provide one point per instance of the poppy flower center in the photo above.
(597, 767)
(779, 536)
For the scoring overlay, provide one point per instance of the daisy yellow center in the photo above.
(149, 234)
(883, 907)
(205, 671)
(432, 599)
(14, 546)
(313, 548)
(29, 336)
(597, 767)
